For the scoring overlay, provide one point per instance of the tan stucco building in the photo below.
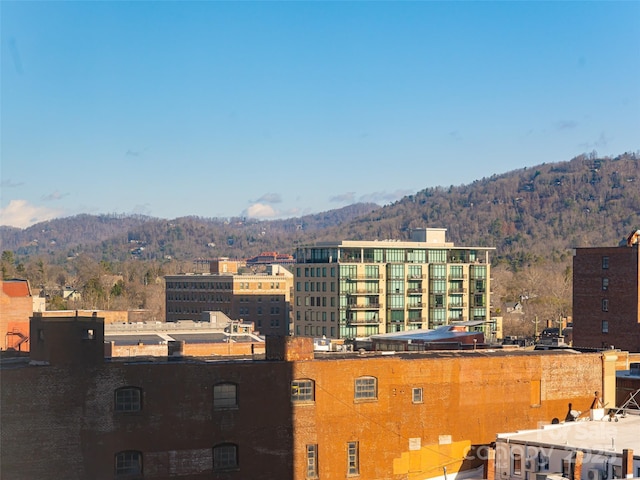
(261, 298)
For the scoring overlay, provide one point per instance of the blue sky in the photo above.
(279, 109)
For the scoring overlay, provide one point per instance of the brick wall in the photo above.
(59, 421)
(14, 318)
(466, 398)
(622, 295)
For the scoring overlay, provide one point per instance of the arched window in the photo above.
(225, 395)
(128, 399)
(225, 457)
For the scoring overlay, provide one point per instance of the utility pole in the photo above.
(535, 335)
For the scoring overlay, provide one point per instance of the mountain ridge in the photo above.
(538, 212)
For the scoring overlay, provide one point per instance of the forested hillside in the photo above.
(118, 237)
(533, 216)
(528, 214)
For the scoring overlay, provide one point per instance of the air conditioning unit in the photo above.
(595, 474)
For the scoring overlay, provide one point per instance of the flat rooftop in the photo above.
(327, 356)
(598, 436)
(128, 340)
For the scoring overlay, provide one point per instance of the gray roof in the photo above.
(199, 337)
(594, 436)
(134, 339)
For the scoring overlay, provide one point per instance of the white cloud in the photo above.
(385, 197)
(260, 210)
(348, 197)
(21, 214)
(270, 198)
(54, 196)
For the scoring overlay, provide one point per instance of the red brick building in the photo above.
(606, 297)
(291, 415)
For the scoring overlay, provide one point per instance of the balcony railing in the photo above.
(363, 321)
(418, 320)
(456, 276)
(416, 305)
(458, 260)
(416, 277)
(457, 290)
(362, 291)
(458, 305)
(413, 291)
(370, 306)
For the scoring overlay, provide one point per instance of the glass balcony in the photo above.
(457, 290)
(363, 321)
(370, 306)
(458, 305)
(417, 320)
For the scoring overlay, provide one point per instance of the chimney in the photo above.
(289, 349)
(627, 463)
(577, 469)
(489, 472)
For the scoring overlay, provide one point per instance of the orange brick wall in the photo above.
(209, 349)
(14, 317)
(469, 399)
(111, 350)
(110, 316)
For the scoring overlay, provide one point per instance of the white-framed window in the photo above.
(605, 284)
(353, 458)
(225, 457)
(416, 395)
(312, 461)
(128, 463)
(516, 464)
(366, 388)
(225, 395)
(605, 326)
(605, 263)
(128, 399)
(302, 391)
(605, 304)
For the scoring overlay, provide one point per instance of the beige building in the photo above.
(261, 298)
(350, 289)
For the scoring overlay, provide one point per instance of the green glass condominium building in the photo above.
(351, 289)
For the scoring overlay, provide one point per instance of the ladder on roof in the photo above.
(630, 405)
